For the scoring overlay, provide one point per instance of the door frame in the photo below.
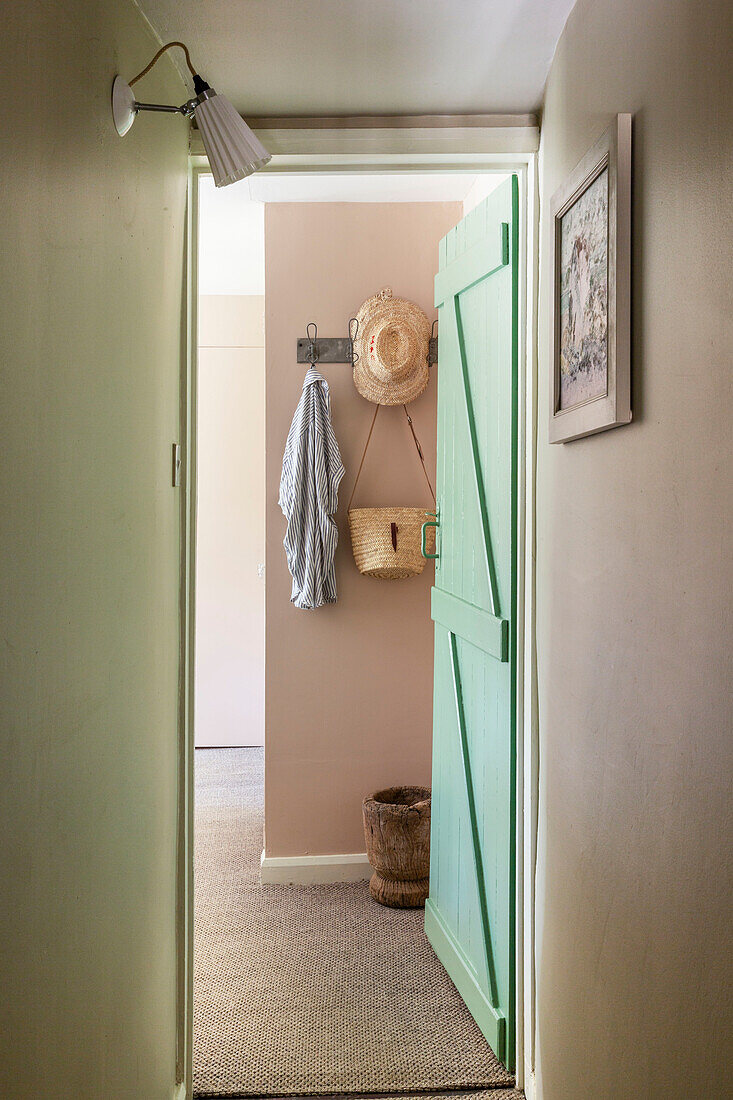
(468, 144)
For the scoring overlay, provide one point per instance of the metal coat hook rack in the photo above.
(340, 349)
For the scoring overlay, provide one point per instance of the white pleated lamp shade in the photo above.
(233, 150)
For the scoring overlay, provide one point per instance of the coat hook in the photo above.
(355, 322)
(431, 345)
(312, 350)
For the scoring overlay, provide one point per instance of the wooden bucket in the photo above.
(397, 834)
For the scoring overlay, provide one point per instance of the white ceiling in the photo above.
(347, 57)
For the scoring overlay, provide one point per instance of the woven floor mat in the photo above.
(312, 990)
(476, 1094)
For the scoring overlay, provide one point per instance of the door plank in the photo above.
(478, 476)
(482, 259)
(458, 965)
(473, 817)
(473, 624)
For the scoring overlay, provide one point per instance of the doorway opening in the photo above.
(230, 780)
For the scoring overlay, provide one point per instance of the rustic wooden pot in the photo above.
(397, 834)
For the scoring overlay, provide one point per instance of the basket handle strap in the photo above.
(417, 447)
(420, 454)
(363, 456)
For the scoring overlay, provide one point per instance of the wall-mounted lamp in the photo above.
(233, 150)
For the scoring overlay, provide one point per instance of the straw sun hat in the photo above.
(392, 343)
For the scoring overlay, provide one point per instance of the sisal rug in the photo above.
(312, 990)
(464, 1094)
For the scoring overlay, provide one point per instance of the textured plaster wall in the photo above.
(91, 232)
(634, 583)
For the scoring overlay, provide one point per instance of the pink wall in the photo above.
(349, 686)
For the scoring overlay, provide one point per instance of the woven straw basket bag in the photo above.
(387, 542)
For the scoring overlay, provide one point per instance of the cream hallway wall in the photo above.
(634, 583)
(349, 686)
(230, 525)
(92, 235)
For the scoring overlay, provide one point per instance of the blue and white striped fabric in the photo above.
(312, 472)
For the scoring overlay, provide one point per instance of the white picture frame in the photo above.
(590, 379)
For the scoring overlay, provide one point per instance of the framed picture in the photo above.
(591, 243)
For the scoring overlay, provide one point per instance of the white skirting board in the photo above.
(307, 870)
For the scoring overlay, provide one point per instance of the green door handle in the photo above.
(429, 523)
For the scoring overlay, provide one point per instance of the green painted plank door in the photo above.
(469, 916)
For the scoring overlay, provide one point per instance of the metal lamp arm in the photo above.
(160, 107)
(185, 109)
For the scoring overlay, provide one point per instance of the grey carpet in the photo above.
(312, 989)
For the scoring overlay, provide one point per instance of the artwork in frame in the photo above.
(591, 227)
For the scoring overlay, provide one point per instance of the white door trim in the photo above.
(184, 879)
(390, 146)
(527, 736)
(318, 142)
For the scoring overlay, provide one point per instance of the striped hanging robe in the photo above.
(312, 472)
